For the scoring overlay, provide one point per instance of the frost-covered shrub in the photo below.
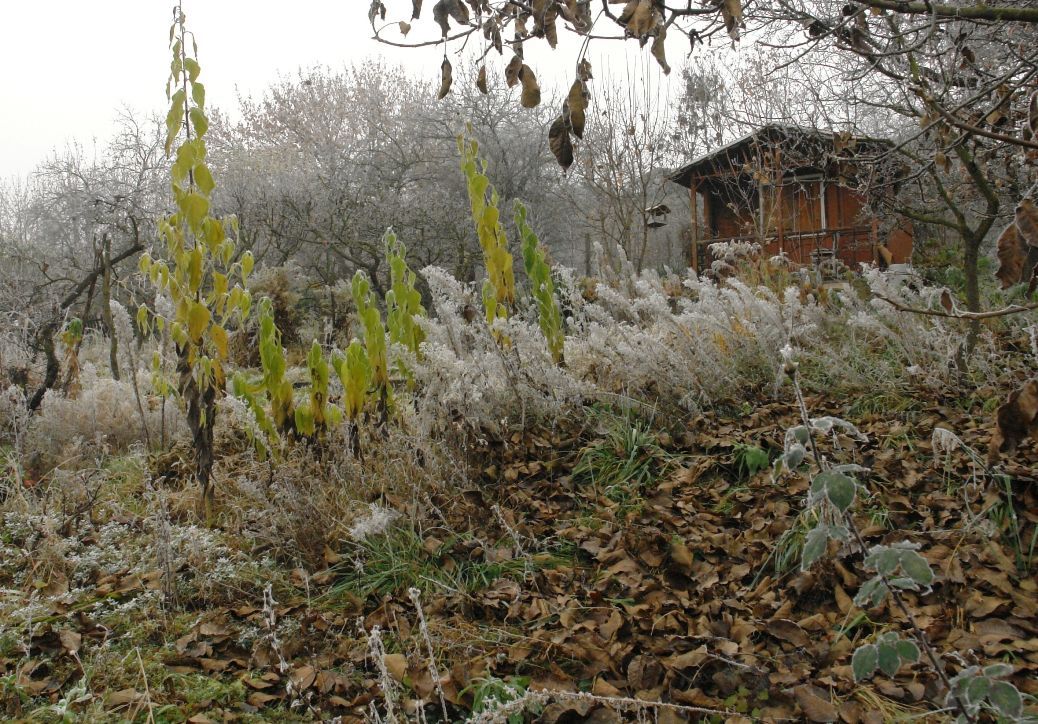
(105, 415)
(305, 502)
(673, 342)
(14, 416)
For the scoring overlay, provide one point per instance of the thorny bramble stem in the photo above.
(917, 631)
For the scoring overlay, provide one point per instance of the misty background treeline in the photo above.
(317, 166)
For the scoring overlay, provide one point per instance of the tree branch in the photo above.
(962, 12)
(1012, 309)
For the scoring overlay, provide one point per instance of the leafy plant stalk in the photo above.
(848, 520)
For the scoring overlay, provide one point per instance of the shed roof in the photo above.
(813, 146)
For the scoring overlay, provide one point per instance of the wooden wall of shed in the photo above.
(843, 207)
(729, 215)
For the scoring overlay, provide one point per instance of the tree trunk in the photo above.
(106, 306)
(201, 413)
(970, 265)
(53, 366)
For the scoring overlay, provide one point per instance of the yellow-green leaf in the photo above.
(219, 337)
(198, 121)
(204, 179)
(197, 320)
(195, 208)
(247, 264)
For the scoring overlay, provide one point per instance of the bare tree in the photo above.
(71, 226)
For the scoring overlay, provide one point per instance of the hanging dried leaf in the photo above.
(584, 70)
(481, 80)
(658, 51)
(512, 71)
(446, 79)
(946, 301)
(574, 108)
(1011, 256)
(560, 144)
(551, 33)
(1032, 115)
(416, 9)
(731, 12)
(1014, 421)
(638, 17)
(377, 10)
(578, 15)
(531, 95)
(1027, 222)
(440, 16)
(492, 32)
(459, 11)
(405, 28)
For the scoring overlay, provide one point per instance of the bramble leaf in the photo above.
(917, 568)
(883, 559)
(908, 651)
(997, 671)
(871, 593)
(814, 546)
(839, 489)
(976, 689)
(864, 661)
(889, 661)
(1006, 698)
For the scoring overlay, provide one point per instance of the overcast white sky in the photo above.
(69, 65)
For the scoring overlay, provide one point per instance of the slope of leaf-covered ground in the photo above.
(611, 557)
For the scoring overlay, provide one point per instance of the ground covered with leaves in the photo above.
(635, 568)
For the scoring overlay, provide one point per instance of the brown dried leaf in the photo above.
(531, 95)
(416, 9)
(303, 677)
(405, 28)
(258, 699)
(644, 672)
(481, 80)
(731, 12)
(123, 697)
(946, 301)
(1027, 222)
(578, 14)
(492, 32)
(687, 660)
(1032, 115)
(815, 708)
(377, 10)
(440, 16)
(584, 70)
(458, 11)
(658, 51)
(640, 17)
(446, 79)
(396, 664)
(1014, 421)
(70, 640)
(681, 555)
(1011, 256)
(787, 630)
(574, 108)
(512, 70)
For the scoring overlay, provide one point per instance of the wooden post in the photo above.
(708, 219)
(780, 220)
(694, 194)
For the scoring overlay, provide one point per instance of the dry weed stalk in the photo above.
(377, 651)
(416, 598)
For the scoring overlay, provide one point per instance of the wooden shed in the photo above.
(796, 192)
